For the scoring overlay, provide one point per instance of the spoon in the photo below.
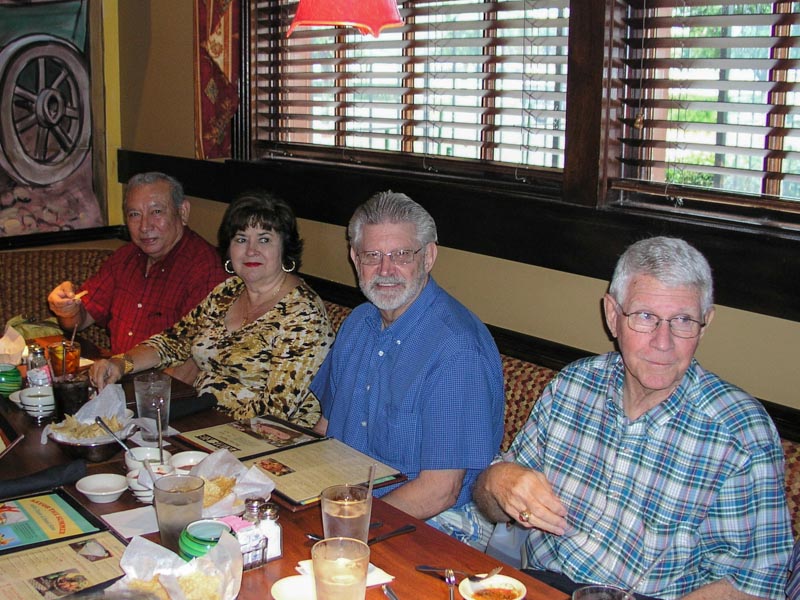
(373, 540)
(99, 420)
(160, 435)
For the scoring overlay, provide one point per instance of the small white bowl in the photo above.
(103, 487)
(468, 588)
(184, 461)
(141, 492)
(142, 453)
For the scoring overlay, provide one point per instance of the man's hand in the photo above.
(62, 301)
(106, 372)
(523, 494)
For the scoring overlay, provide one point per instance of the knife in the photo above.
(385, 536)
(390, 593)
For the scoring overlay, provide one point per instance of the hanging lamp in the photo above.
(368, 16)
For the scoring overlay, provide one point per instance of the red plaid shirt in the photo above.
(135, 306)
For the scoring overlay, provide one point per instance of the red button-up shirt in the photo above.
(134, 304)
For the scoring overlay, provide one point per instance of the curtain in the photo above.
(216, 75)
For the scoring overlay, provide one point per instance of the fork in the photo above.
(450, 580)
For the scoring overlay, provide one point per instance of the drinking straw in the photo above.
(372, 469)
(74, 332)
(64, 359)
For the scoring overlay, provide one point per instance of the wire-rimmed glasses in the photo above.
(401, 256)
(682, 326)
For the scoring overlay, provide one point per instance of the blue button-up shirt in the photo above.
(425, 393)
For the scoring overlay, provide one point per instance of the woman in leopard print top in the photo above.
(260, 336)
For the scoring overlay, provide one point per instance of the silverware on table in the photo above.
(450, 580)
(389, 592)
(472, 577)
(315, 537)
(385, 536)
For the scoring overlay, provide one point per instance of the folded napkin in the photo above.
(49, 478)
(12, 344)
(375, 576)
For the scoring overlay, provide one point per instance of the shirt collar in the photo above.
(659, 415)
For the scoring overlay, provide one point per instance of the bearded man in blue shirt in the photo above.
(639, 468)
(414, 378)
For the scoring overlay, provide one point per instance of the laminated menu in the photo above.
(51, 547)
(299, 461)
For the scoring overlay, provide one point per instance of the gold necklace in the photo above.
(252, 310)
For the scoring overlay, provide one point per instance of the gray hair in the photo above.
(672, 261)
(392, 207)
(175, 187)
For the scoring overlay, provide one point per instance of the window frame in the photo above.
(592, 135)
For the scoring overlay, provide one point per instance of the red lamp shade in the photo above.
(368, 16)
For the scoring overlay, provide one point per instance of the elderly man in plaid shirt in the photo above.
(640, 468)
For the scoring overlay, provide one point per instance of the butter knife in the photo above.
(390, 593)
(385, 536)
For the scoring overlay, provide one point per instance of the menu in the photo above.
(50, 547)
(301, 462)
(301, 473)
(251, 437)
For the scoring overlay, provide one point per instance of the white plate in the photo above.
(14, 397)
(467, 588)
(295, 587)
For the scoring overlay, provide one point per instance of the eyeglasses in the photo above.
(646, 322)
(402, 256)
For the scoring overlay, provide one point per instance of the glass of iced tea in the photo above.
(65, 358)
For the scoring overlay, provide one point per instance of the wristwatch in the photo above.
(126, 361)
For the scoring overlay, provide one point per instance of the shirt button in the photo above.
(398, 342)
(368, 387)
(380, 352)
(363, 423)
(139, 305)
(130, 334)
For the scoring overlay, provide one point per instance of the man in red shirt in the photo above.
(150, 283)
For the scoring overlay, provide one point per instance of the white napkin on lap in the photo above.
(375, 576)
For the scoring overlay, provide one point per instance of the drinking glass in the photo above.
(65, 358)
(179, 501)
(346, 511)
(152, 392)
(340, 568)
(71, 392)
(599, 592)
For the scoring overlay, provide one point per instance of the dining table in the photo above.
(397, 556)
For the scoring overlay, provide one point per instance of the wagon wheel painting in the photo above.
(45, 120)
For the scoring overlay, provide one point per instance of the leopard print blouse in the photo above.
(263, 368)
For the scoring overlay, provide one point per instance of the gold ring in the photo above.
(524, 516)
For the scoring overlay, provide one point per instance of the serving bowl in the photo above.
(98, 451)
(103, 487)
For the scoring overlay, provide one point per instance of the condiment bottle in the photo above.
(253, 542)
(268, 513)
(38, 367)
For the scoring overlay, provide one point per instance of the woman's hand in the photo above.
(104, 372)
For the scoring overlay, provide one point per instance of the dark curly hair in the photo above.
(262, 209)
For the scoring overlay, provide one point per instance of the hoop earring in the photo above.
(290, 269)
(229, 267)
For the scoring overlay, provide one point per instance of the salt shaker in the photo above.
(252, 540)
(268, 513)
(38, 367)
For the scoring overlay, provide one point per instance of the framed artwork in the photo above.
(46, 162)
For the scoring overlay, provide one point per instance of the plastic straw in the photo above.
(372, 469)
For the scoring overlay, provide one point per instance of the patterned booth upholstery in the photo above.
(524, 383)
(28, 276)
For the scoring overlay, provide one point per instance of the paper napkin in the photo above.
(375, 576)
